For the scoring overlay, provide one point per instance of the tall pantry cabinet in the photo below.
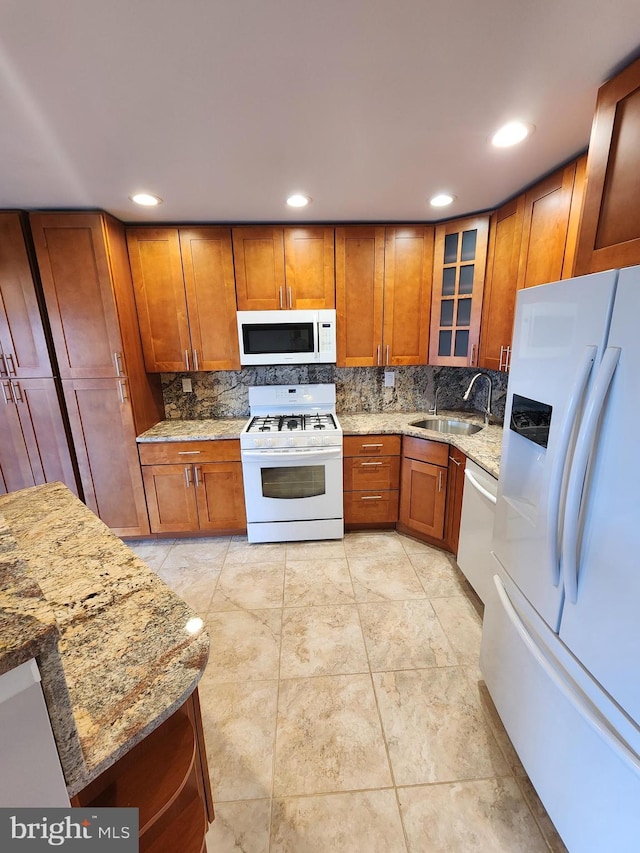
(89, 298)
(34, 448)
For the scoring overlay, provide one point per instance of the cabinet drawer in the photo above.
(366, 473)
(373, 506)
(173, 452)
(424, 450)
(371, 445)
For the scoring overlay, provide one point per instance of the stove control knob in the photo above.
(290, 442)
(257, 442)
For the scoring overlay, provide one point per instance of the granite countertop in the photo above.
(482, 447)
(118, 651)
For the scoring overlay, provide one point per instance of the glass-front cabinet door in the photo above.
(460, 259)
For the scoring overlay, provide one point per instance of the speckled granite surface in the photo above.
(225, 393)
(483, 447)
(194, 430)
(129, 650)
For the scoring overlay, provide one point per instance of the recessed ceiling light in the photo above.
(298, 200)
(146, 199)
(511, 133)
(441, 200)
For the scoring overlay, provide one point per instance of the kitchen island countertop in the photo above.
(482, 447)
(118, 651)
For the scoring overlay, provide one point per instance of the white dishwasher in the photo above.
(476, 529)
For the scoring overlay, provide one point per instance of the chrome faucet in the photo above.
(434, 409)
(487, 413)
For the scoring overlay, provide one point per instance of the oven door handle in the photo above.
(293, 453)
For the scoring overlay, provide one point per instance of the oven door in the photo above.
(293, 484)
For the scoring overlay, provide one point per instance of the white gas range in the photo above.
(291, 451)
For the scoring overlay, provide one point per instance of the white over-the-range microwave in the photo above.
(287, 337)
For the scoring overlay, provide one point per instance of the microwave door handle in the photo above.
(579, 467)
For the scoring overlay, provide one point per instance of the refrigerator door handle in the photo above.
(560, 463)
(582, 454)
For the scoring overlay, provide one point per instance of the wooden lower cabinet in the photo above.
(194, 485)
(104, 438)
(455, 488)
(34, 447)
(167, 779)
(423, 497)
(371, 480)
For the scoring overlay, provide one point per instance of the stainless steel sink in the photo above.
(448, 425)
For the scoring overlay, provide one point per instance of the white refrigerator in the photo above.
(561, 636)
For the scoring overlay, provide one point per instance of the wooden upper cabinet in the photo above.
(408, 269)
(156, 267)
(207, 264)
(499, 300)
(460, 257)
(309, 268)
(383, 288)
(76, 279)
(183, 280)
(359, 295)
(547, 209)
(258, 257)
(282, 268)
(23, 347)
(610, 227)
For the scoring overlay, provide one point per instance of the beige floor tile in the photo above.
(439, 574)
(245, 645)
(435, 728)
(328, 549)
(482, 816)
(389, 578)
(329, 737)
(197, 553)
(543, 820)
(239, 722)
(308, 582)
(194, 584)
(322, 640)
(404, 635)
(241, 827)
(462, 625)
(360, 822)
(240, 551)
(153, 551)
(249, 586)
(377, 543)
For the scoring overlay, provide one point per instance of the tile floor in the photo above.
(343, 706)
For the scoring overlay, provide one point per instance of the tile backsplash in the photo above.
(225, 394)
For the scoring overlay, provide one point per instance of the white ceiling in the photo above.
(223, 107)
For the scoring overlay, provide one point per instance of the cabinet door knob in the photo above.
(6, 386)
(117, 360)
(196, 360)
(187, 475)
(123, 396)
(17, 392)
(5, 370)
(11, 371)
(280, 297)
(196, 472)
(186, 359)
(439, 481)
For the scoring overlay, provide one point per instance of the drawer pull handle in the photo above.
(188, 452)
(364, 464)
(372, 445)
(455, 461)
(371, 498)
